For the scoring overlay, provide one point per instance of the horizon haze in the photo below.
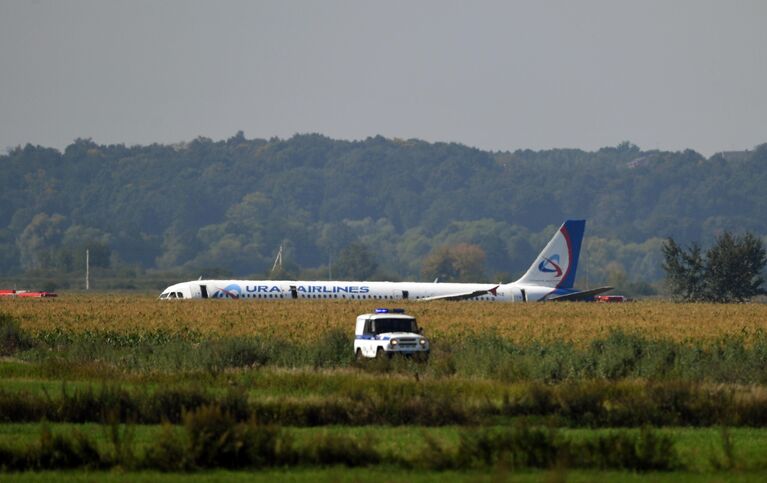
(493, 75)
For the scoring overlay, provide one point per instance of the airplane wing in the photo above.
(462, 295)
(576, 296)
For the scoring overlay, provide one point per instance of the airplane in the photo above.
(550, 278)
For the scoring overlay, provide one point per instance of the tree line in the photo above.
(730, 271)
(379, 208)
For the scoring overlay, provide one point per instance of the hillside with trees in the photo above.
(383, 208)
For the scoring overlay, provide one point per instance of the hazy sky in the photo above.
(498, 75)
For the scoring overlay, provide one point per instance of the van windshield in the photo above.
(380, 326)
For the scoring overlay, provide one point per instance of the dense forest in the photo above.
(379, 208)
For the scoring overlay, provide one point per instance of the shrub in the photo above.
(12, 338)
(328, 449)
(170, 403)
(236, 352)
(216, 440)
(643, 451)
(333, 349)
(21, 407)
(58, 451)
(108, 402)
(618, 356)
(518, 447)
(434, 456)
(168, 452)
(121, 444)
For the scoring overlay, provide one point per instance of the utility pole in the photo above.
(87, 269)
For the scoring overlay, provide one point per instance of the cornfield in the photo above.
(304, 321)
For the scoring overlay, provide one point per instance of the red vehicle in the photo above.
(39, 295)
(610, 298)
(27, 294)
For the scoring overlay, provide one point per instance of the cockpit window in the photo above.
(179, 295)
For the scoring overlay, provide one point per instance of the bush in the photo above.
(519, 447)
(236, 352)
(435, 456)
(643, 451)
(17, 407)
(525, 446)
(58, 451)
(333, 349)
(11, 459)
(12, 338)
(216, 440)
(334, 449)
(108, 402)
(170, 403)
(168, 452)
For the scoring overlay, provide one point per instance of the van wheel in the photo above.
(358, 355)
(379, 353)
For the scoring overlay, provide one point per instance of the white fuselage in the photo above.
(552, 274)
(302, 290)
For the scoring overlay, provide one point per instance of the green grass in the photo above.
(615, 356)
(343, 475)
(697, 447)
(358, 397)
(29, 433)
(44, 386)
(271, 382)
(551, 383)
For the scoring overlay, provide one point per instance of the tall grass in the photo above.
(585, 404)
(212, 438)
(738, 358)
(12, 338)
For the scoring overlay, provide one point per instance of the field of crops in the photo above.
(302, 320)
(527, 392)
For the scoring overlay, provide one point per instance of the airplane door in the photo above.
(524, 295)
(405, 295)
(204, 291)
(293, 292)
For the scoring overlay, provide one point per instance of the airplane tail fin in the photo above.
(556, 265)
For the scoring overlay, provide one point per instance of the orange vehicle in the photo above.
(26, 293)
(610, 298)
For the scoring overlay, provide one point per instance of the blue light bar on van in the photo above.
(387, 311)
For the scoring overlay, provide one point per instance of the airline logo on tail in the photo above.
(556, 264)
(550, 265)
